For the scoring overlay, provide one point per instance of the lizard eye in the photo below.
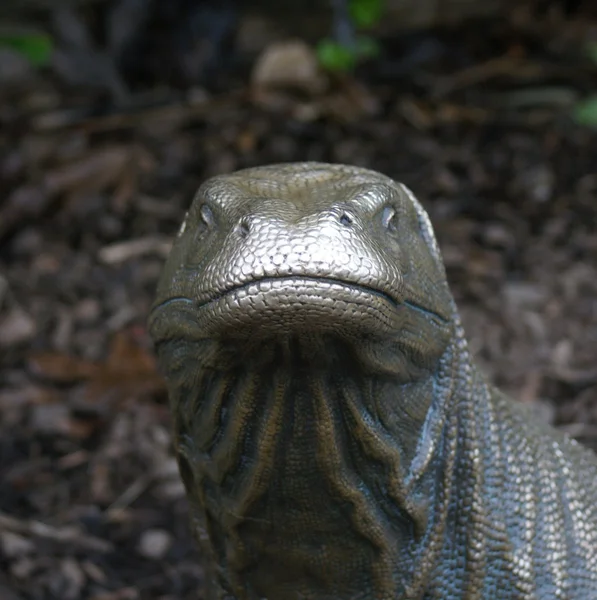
(389, 219)
(207, 217)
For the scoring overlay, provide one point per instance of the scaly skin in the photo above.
(334, 437)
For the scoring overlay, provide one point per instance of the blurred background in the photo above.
(111, 114)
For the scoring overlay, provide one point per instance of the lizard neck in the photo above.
(292, 448)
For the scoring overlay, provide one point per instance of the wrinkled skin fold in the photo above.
(335, 440)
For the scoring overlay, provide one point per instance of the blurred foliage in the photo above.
(335, 56)
(585, 111)
(365, 13)
(592, 51)
(340, 56)
(36, 47)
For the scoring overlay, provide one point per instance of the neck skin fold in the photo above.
(292, 448)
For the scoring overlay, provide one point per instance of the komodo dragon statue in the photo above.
(335, 439)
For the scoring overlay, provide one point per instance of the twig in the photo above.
(63, 535)
(123, 251)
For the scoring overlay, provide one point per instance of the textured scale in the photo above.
(334, 437)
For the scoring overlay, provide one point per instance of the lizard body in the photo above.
(334, 437)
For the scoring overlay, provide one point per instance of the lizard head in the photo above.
(306, 331)
(307, 252)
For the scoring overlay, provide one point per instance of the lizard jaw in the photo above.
(277, 306)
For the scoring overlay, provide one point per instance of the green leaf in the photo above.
(591, 50)
(365, 13)
(367, 47)
(585, 112)
(335, 56)
(36, 47)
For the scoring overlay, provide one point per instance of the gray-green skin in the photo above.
(334, 437)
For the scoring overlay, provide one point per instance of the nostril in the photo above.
(346, 219)
(244, 227)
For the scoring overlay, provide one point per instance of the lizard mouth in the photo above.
(301, 304)
(323, 285)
